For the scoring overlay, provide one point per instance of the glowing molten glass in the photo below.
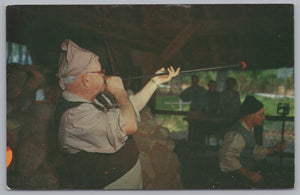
(244, 65)
(9, 156)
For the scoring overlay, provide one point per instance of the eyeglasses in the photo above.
(99, 72)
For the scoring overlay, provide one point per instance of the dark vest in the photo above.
(87, 170)
(246, 157)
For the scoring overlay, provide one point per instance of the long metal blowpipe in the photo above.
(241, 65)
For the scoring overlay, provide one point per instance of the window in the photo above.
(17, 53)
(271, 86)
(40, 96)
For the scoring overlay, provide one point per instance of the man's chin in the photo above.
(100, 91)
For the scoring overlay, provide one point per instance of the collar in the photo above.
(246, 127)
(73, 97)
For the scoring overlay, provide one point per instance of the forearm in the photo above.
(272, 150)
(127, 112)
(252, 175)
(277, 148)
(260, 152)
(141, 98)
(244, 172)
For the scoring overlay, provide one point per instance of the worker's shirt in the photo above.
(87, 128)
(229, 102)
(232, 146)
(213, 100)
(197, 97)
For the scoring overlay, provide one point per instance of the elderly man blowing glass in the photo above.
(97, 142)
(239, 151)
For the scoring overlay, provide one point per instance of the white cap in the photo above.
(73, 61)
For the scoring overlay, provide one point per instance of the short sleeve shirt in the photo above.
(231, 149)
(87, 128)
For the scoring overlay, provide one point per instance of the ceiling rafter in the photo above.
(123, 27)
(175, 35)
(178, 42)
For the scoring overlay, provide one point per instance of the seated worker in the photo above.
(239, 152)
(97, 142)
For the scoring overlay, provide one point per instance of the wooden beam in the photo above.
(146, 44)
(146, 34)
(82, 18)
(178, 42)
(226, 26)
(111, 58)
(212, 40)
(241, 25)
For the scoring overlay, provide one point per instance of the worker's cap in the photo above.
(73, 60)
(250, 105)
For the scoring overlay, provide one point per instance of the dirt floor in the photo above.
(200, 170)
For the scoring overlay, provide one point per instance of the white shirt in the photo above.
(87, 128)
(232, 146)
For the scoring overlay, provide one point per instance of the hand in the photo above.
(165, 78)
(280, 146)
(255, 177)
(114, 84)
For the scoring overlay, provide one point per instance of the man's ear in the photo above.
(252, 116)
(85, 80)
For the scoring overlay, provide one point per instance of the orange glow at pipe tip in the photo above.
(9, 156)
(244, 65)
